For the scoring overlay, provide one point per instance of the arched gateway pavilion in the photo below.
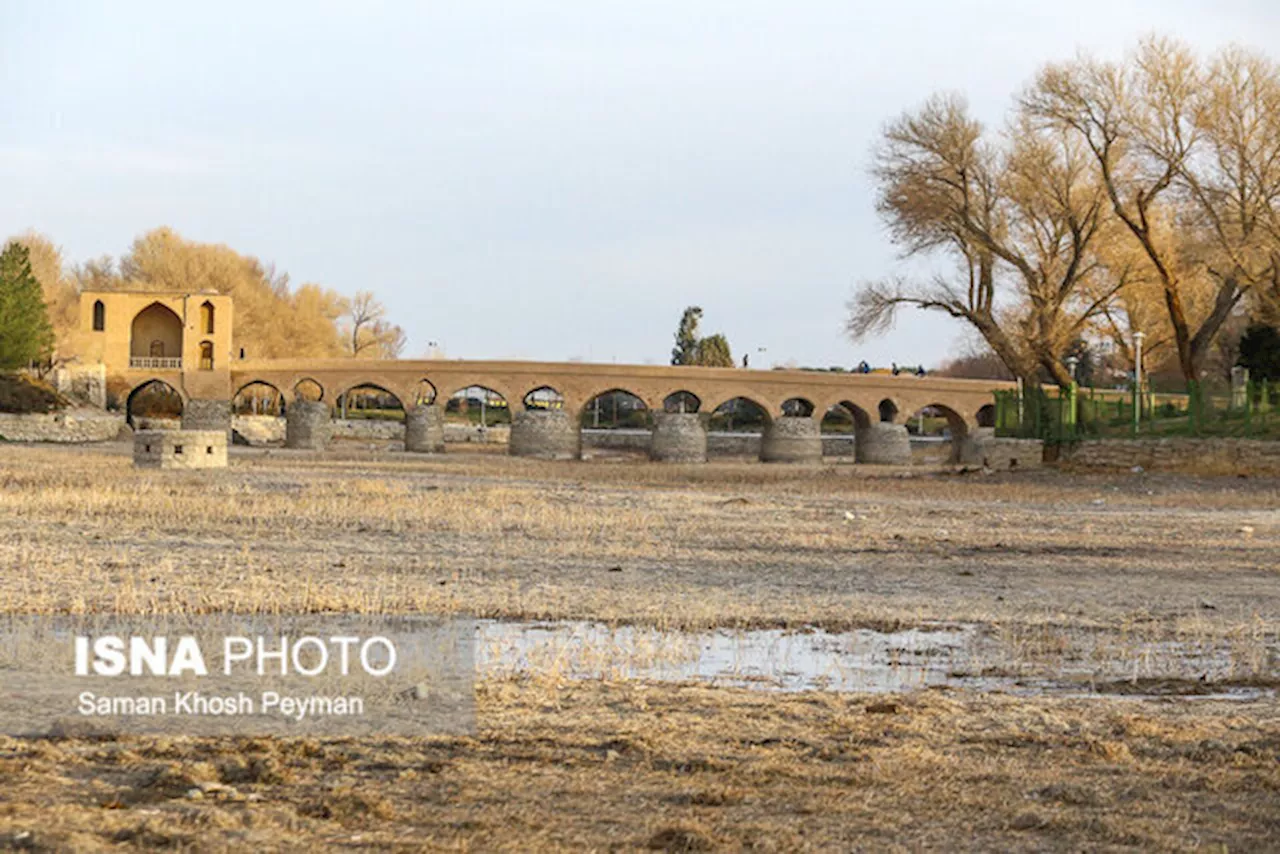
(185, 341)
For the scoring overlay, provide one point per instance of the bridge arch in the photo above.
(739, 413)
(258, 397)
(616, 407)
(939, 426)
(798, 407)
(985, 416)
(372, 399)
(478, 405)
(845, 416)
(888, 410)
(937, 417)
(681, 401)
(424, 393)
(153, 398)
(308, 389)
(543, 397)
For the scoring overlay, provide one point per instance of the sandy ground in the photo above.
(1036, 557)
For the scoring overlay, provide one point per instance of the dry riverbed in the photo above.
(1137, 598)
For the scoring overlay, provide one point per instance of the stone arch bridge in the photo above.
(579, 383)
(184, 340)
(680, 398)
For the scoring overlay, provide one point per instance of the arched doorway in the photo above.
(156, 338)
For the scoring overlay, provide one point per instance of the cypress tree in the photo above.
(686, 350)
(26, 335)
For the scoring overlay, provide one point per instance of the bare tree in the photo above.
(363, 314)
(1018, 222)
(1189, 155)
(391, 340)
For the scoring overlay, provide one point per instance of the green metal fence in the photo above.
(1070, 414)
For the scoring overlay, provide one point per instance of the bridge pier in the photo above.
(883, 444)
(547, 434)
(306, 425)
(792, 439)
(200, 414)
(678, 437)
(424, 429)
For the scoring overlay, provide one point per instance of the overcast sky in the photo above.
(545, 180)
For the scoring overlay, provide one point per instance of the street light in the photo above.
(1137, 379)
(1072, 362)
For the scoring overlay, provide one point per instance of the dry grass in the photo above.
(1126, 560)
(622, 766)
(726, 544)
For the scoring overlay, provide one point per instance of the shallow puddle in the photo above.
(968, 656)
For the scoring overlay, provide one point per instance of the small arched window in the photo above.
(206, 355)
(206, 317)
(99, 316)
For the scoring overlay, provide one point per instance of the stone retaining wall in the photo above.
(1196, 456)
(375, 429)
(270, 430)
(499, 434)
(257, 429)
(68, 426)
(86, 383)
(718, 444)
(983, 448)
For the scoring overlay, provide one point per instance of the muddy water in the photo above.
(964, 656)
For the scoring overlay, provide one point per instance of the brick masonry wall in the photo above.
(1199, 456)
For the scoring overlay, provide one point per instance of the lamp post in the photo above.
(1137, 379)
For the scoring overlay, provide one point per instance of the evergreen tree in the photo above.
(25, 332)
(686, 350)
(1260, 352)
